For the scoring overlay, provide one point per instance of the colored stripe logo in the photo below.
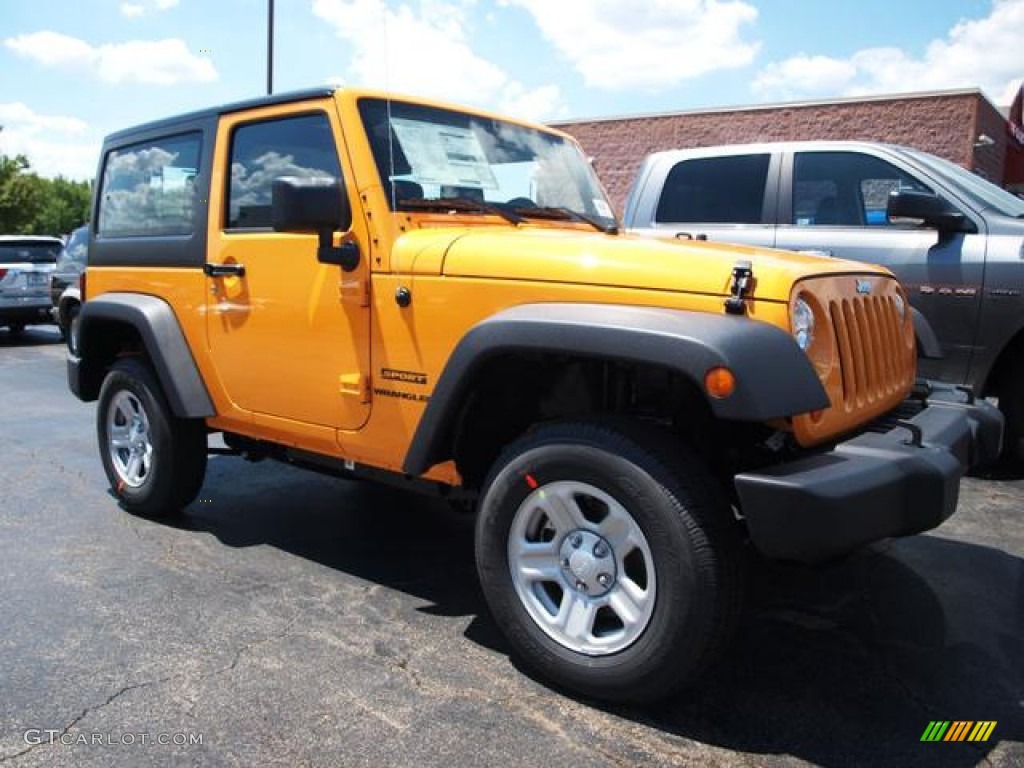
(958, 730)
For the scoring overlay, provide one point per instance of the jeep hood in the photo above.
(628, 261)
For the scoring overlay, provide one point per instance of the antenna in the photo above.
(387, 102)
(270, 47)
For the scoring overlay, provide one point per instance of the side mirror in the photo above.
(931, 210)
(317, 205)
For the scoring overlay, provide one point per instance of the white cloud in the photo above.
(425, 49)
(134, 10)
(157, 62)
(54, 144)
(622, 44)
(544, 103)
(976, 53)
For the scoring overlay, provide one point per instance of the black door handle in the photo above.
(224, 270)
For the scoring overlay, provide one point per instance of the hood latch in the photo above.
(742, 282)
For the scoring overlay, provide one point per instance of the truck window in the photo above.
(149, 188)
(846, 189)
(727, 190)
(300, 146)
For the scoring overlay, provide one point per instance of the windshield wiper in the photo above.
(560, 213)
(462, 205)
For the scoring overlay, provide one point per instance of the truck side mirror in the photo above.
(931, 210)
(319, 205)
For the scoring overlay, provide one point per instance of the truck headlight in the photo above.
(803, 323)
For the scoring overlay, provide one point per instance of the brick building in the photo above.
(961, 125)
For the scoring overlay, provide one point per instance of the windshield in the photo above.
(75, 250)
(29, 252)
(425, 153)
(985, 192)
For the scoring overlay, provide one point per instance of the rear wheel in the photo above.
(155, 462)
(608, 559)
(1011, 403)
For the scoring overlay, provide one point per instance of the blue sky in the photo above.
(72, 72)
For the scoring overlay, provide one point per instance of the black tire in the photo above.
(1011, 403)
(692, 550)
(69, 328)
(171, 453)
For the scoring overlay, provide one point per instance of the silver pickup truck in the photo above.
(953, 239)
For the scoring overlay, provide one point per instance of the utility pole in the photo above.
(270, 47)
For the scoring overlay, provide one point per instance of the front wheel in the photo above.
(155, 462)
(608, 559)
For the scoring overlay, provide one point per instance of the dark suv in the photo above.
(65, 286)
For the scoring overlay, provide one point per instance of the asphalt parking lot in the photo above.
(293, 619)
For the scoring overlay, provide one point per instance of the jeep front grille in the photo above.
(867, 332)
(863, 352)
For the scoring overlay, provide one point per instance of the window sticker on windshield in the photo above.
(443, 154)
(602, 207)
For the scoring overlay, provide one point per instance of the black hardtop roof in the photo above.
(236, 106)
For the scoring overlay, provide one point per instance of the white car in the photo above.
(26, 263)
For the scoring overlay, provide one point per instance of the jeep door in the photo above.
(834, 201)
(288, 335)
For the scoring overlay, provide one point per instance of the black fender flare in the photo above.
(168, 351)
(774, 378)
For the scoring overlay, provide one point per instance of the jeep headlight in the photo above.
(901, 306)
(803, 323)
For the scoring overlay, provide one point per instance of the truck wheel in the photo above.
(155, 462)
(608, 559)
(1011, 403)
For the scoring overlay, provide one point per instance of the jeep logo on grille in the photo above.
(863, 287)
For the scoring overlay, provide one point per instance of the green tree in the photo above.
(66, 206)
(33, 205)
(22, 195)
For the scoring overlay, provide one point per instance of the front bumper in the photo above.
(874, 486)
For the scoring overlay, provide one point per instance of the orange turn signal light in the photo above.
(719, 382)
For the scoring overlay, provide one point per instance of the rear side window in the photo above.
(846, 189)
(721, 190)
(300, 146)
(14, 252)
(149, 188)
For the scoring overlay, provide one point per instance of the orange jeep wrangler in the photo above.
(386, 287)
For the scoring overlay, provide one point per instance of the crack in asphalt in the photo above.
(149, 683)
(84, 713)
(594, 724)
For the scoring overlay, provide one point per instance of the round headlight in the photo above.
(803, 324)
(901, 305)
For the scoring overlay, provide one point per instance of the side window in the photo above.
(845, 189)
(261, 152)
(149, 188)
(726, 190)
